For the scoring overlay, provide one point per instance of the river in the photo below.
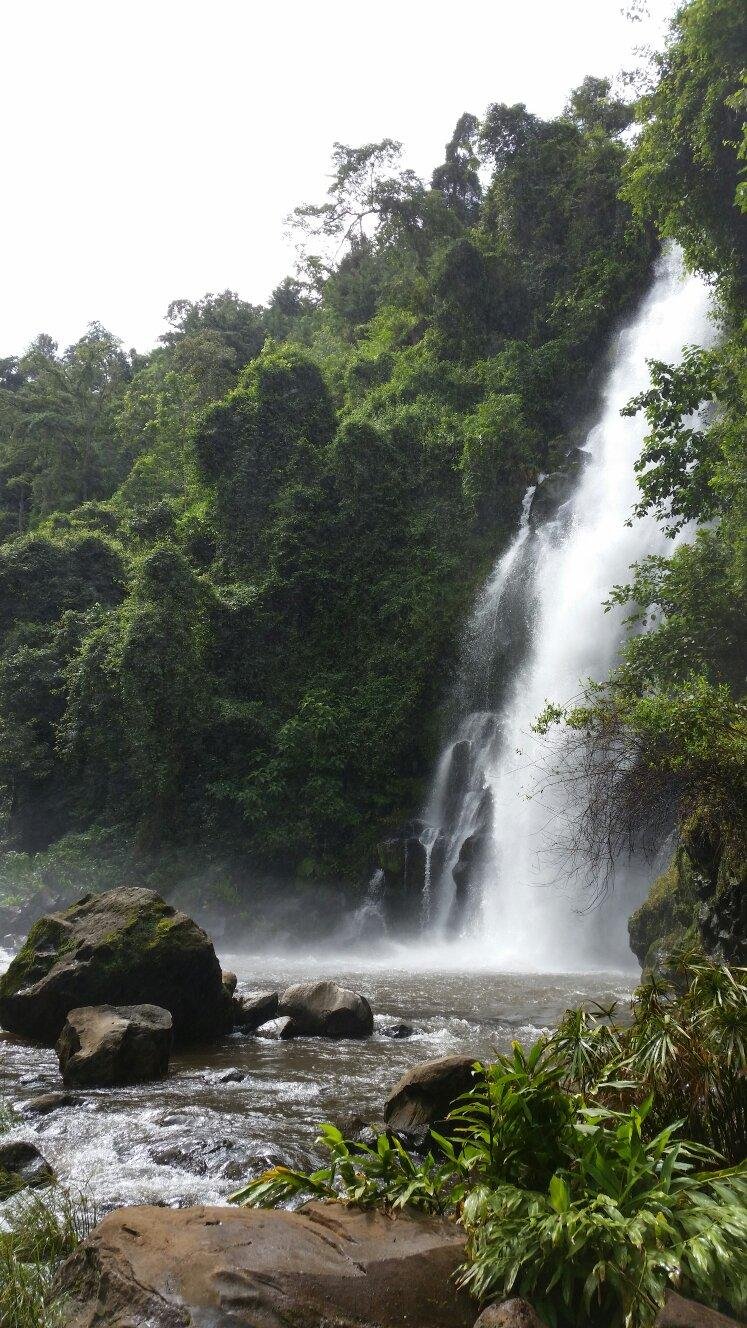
(192, 1138)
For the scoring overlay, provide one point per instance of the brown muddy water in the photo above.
(192, 1138)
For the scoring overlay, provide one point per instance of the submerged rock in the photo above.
(123, 947)
(324, 1267)
(22, 1165)
(398, 1031)
(199, 1156)
(103, 1045)
(324, 1009)
(424, 1095)
(46, 1102)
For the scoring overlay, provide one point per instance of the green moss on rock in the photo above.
(667, 916)
(122, 947)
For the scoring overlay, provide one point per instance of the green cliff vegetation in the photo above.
(232, 571)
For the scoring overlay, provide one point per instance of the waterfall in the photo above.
(537, 632)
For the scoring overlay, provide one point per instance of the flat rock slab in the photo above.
(325, 1267)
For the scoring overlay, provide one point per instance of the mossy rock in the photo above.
(122, 947)
(666, 917)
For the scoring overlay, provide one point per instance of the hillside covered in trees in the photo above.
(233, 570)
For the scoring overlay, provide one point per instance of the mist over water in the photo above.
(541, 609)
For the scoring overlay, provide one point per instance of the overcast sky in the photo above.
(153, 148)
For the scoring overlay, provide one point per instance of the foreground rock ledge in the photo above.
(325, 1267)
(122, 947)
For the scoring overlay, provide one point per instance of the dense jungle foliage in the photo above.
(232, 571)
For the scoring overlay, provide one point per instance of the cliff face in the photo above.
(701, 896)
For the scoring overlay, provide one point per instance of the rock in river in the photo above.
(103, 1045)
(22, 1164)
(424, 1094)
(324, 1009)
(44, 1103)
(325, 1267)
(122, 947)
(251, 1012)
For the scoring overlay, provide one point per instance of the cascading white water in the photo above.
(522, 914)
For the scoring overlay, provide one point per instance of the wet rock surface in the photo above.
(103, 1045)
(22, 1165)
(325, 1267)
(251, 1012)
(423, 1096)
(122, 947)
(44, 1103)
(324, 1009)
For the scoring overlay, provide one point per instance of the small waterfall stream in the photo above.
(537, 632)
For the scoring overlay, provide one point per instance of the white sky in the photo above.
(152, 148)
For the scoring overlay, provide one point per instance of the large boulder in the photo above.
(324, 1009)
(103, 1045)
(325, 1267)
(22, 1165)
(424, 1095)
(44, 1103)
(123, 947)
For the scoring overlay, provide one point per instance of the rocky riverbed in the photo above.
(223, 1112)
